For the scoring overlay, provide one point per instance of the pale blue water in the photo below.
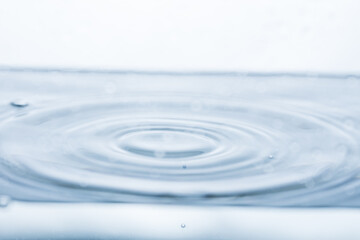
(199, 139)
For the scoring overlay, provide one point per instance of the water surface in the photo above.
(223, 139)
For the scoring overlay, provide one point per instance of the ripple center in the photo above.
(166, 143)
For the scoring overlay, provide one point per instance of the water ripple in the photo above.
(178, 148)
(190, 139)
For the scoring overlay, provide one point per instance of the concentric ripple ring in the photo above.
(133, 149)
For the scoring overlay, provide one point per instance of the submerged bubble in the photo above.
(183, 225)
(4, 200)
(270, 156)
(20, 103)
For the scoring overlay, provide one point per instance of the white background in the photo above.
(211, 35)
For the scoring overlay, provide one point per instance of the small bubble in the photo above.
(270, 156)
(20, 103)
(184, 166)
(4, 200)
(183, 225)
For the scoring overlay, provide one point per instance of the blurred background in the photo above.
(212, 35)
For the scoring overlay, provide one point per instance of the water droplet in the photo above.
(4, 200)
(20, 103)
(183, 225)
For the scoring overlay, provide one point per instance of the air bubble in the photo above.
(183, 226)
